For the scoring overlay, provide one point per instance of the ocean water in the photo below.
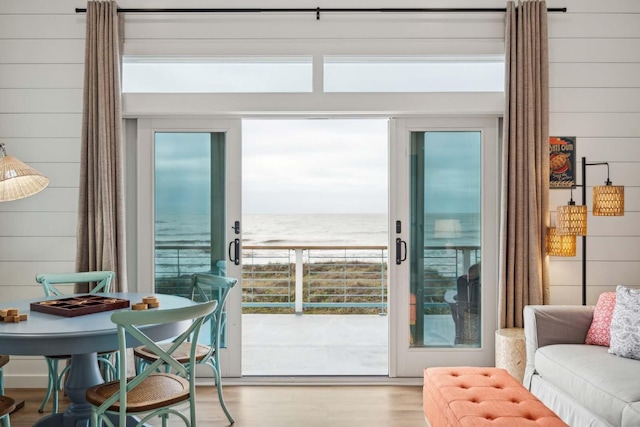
(192, 231)
(318, 229)
(313, 229)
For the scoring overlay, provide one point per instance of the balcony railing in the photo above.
(304, 277)
(299, 278)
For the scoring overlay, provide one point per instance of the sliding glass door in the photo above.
(195, 211)
(444, 218)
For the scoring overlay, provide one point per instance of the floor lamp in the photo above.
(18, 181)
(608, 200)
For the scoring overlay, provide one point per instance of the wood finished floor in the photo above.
(284, 406)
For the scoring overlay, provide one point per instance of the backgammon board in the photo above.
(79, 305)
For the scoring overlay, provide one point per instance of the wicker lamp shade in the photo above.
(558, 245)
(17, 180)
(608, 200)
(571, 220)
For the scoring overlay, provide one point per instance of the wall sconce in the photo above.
(558, 245)
(608, 200)
(17, 180)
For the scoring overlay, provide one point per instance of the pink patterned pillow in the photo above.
(600, 330)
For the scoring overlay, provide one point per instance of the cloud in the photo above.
(314, 166)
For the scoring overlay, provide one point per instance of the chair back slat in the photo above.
(207, 287)
(102, 278)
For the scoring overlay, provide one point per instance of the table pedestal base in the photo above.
(84, 373)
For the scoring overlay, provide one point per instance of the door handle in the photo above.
(399, 246)
(236, 251)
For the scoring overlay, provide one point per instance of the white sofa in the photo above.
(584, 384)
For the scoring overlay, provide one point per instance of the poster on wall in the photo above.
(562, 161)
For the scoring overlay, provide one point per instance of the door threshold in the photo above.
(314, 380)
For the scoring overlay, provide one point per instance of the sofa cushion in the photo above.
(600, 330)
(625, 323)
(604, 383)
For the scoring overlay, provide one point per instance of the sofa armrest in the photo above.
(553, 324)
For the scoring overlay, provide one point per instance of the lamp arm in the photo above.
(608, 181)
(4, 151)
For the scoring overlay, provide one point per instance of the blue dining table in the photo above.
(82, 337)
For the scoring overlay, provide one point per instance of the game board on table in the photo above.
(79, 305)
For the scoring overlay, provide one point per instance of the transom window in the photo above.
(217, 75)
(413, 74)
(294, 74)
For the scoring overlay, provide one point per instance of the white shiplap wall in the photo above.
(595, 95)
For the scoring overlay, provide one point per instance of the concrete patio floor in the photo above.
(325, 344)
(314, 344)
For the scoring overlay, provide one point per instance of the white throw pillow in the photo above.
(625, 323)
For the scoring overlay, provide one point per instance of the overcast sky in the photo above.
(316, 166)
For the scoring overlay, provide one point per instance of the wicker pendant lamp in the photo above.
(558, 245)
(572, 219)
(17, 180)
(608, 199)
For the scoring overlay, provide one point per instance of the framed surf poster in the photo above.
(562, 161)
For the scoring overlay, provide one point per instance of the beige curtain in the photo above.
(101, 237)
(524, 276)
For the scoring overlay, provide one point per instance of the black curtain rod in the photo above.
(319, 10)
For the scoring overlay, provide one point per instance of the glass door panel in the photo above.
(445, 238)
(190, 215)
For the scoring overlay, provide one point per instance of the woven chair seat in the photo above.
(154, 392)
(7, 405)
(181, 354)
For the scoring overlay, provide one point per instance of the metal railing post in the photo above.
(178, 260)
(299, 278)
(383, 282)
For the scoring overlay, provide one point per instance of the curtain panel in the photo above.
(101, 236)
(524, 276)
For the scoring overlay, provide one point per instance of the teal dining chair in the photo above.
(102, 280)
(204, 287)
(150, 393)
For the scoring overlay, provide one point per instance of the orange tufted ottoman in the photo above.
(470, 396)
